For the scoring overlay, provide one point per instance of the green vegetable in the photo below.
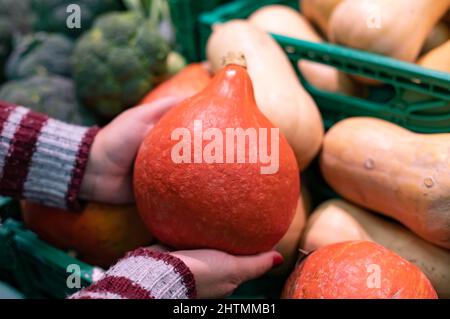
(118, 61)
(52, 15)
(40, 54)
(52, 95)
(15, 18)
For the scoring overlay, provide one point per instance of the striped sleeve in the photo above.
(42, 159)
(143, 274)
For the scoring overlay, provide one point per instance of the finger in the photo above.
(252, 267)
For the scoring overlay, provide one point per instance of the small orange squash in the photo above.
(357, 270)
(186, 83)
(100, 234)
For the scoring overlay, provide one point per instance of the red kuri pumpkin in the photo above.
(205, 200)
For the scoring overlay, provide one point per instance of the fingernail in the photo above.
(277, 261)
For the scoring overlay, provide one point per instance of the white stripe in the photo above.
(9, 129)
(155, 276)
(95, 295)
(53, 162)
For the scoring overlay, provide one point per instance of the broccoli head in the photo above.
(51, 95)
(15, 18)
(40, 54)
(118, 61)
(51, 15)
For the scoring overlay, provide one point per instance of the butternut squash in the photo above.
(393, 171)
(330, 224)
(337, 221)
(319, 12)
(278, 92)
(438, 36)
(286, 21)
(394, 28)
(438, 58)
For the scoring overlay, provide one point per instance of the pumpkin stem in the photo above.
(236, 58)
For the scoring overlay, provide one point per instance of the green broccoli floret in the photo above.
(40, 54)
(118, 61)
(52, 95)
(15, 18)
(51, 15)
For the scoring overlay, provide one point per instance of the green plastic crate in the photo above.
(36, 268)
(184, 14)
(8, 208)
(9, 262)
(413, 97)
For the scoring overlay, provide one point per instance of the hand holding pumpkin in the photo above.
(218, 274)
(110, 164)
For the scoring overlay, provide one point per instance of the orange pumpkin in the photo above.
(100, 234)
(357, 270)
(204, 200)
(188, 82)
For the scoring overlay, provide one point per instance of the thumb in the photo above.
(252, 267)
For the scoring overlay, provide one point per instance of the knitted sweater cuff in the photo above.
(42, 159)
(143, 274)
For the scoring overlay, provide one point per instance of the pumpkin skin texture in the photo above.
(388, 169)
(343, 271)
(402, 30)
(225, 206)
(286, 21)
(338, 221)
(438, 58)
(279, 94)
(100, 234)
(319, 12)
(186, 83)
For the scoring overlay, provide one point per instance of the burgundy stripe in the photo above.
(83, 297)
(5, 111)
(18, 159)
(178, 265)
(121, 286)
(6, 104)
(80, 166)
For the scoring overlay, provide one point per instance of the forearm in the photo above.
(143, 274)
(42, 159)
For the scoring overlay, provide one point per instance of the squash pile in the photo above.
(387, 232)
(378, 168)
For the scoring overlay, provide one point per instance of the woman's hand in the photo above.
(109, 169)
(218, 274)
